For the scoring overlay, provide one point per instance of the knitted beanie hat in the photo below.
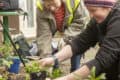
(101, 3)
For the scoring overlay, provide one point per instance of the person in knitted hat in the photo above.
(99, 8)
(103, 28)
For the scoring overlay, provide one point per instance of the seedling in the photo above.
(55, 74)
(40, 73)
(92, 75)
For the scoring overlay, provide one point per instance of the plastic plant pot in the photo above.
(38, 75)
(14, 68)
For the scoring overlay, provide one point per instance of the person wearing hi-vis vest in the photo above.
(57, 21)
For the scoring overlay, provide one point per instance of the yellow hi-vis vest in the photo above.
(71, 10)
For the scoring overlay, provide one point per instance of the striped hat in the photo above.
(102, 3)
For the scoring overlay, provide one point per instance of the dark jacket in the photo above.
(107, 34)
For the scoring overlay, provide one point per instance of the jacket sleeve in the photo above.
(109, 51)
(85, 40)
(44, 34)
(81, 17)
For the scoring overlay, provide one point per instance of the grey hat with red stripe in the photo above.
(102, 3)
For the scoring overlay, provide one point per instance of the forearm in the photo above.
(79, 74)
(64, 54)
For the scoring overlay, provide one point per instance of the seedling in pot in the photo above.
(35, 71)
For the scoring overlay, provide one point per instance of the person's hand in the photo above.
(64, 78)
(47, 62)
(61, 78)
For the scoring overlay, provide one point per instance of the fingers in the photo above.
(42, 62)
(46, 62)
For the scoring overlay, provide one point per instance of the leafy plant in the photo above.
(27, 77)
(55, 74)
(6, 50)
(4, 62)
(32, 67)
(5, 53)
(92, 75)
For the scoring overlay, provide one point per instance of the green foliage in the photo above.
(55, 74)
(5, 53)
(27, 77)
(32, 67)
(4, 62)
(93, 77)
(6, 50)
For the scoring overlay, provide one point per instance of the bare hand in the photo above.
(47, 62)
(61, 78)
(64, 78)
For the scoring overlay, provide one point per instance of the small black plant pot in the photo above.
(38, 75)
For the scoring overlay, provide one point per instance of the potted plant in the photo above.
(5, 62)
(41, 73)
(36, 73)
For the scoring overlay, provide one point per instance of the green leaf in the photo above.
(92, 75)
(56, 73)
